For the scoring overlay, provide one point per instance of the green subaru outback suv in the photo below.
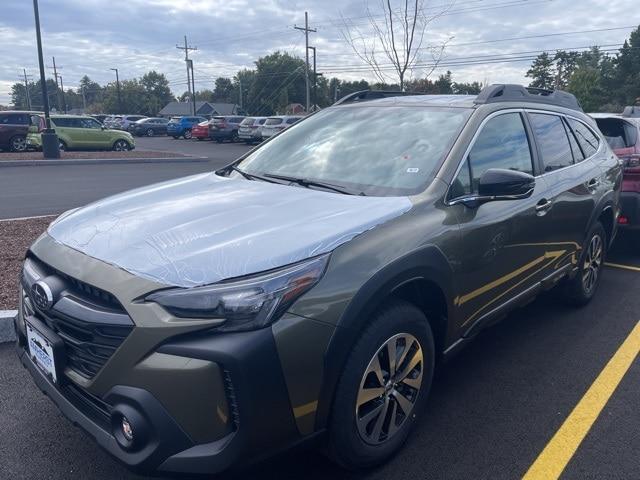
(77, 132)
(308, 290)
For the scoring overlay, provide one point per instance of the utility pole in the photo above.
(118, 90)
(84, 100)
(306, 31)
(64, 99)
(193, 85)
(315, 79)
(26, 88)
(240, 90)
(50, 145)
(335, 92)
(186, 49)
(55, 74)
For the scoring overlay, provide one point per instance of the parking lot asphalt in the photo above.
(492, 410)
(47, 190)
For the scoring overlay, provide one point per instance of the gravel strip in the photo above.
(92, 154)
(15, 238)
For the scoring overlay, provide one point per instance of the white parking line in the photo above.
(26, 218)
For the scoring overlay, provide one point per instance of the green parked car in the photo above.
(78, 132)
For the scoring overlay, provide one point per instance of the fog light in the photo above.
(127, 431)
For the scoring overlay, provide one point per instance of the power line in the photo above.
(306, 31)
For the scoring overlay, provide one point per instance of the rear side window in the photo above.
(261, 121)
(14, 119)
(578, 156)
(291, 120)
(552, 140)
(63, 122)
(586, 138)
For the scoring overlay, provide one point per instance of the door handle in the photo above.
(593, 184)
(543, 206)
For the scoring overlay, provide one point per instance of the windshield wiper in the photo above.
(305, 182)
(249, 176)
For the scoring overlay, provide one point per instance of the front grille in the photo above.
(90, 321)
(90, 405)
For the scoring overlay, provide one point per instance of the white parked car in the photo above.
(274, 125)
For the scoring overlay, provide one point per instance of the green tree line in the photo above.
(601, 82)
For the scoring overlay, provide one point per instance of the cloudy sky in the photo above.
(489, 40)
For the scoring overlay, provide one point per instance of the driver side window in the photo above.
(502, 143)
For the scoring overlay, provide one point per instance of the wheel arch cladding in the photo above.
(606, 218)
(425, 267)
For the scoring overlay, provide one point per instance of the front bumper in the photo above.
(259, 408)
(630, 209)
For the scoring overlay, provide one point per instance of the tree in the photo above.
(224, 91)
(397, 38)
(279, 80)
(565, 63)
(627, 74)
(464, 88)
(156, 92)
(542, 72)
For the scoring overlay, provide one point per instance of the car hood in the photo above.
(205, 228)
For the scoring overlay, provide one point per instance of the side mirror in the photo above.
(501, 184)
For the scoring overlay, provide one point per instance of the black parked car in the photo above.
(225, 128)
(149, 127)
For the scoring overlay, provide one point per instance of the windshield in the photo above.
(382, 151)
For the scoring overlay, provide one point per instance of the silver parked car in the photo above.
(250, 129)
(274, 125)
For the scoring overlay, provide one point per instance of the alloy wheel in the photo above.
(389, 388)
(18, 144)
(150, 132)
(592, 263)
(120, 146)
(187, 134)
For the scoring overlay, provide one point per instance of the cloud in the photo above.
(92, 36)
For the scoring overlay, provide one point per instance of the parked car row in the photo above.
(232, 128)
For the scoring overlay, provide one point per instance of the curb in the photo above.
(100, 161)
(6, 325)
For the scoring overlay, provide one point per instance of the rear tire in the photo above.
(62, 146)
(18, 143)
(580, 289)
(377, 404)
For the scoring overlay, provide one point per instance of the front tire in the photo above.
(580, 289)
(383, 387)
(121, 146)
(187, 134)
(150, 132)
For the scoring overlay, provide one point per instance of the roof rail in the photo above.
(517, 93)
(631, 111)
(366, 95)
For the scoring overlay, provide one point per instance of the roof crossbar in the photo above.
(366, 95)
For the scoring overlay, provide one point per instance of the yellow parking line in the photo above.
(556, 455)
(619, 265)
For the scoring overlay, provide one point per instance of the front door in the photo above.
(503, 249)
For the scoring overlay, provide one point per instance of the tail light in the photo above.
(631, 162)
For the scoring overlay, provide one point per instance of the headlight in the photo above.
(248, 303)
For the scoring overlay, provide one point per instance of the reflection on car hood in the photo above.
(205, 228)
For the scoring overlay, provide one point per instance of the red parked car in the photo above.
(623, 135)
(200, 131)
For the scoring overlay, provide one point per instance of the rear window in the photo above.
(273, 121)
(261, 121)
(291, 120)
(618, 133)
(248, 121)
(218, 120)
(236, 119)
(174, 120)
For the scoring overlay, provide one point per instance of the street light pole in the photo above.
(50, 146)
(118, 89)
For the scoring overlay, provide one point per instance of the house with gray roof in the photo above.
(204, 109)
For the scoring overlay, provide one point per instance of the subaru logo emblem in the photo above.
(41, 295)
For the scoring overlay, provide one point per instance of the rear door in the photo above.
(573, 178)
(92, 134)
(504, 249)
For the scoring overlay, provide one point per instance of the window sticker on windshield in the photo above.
(413, 170)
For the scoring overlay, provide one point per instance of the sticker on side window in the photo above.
(413, 170)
